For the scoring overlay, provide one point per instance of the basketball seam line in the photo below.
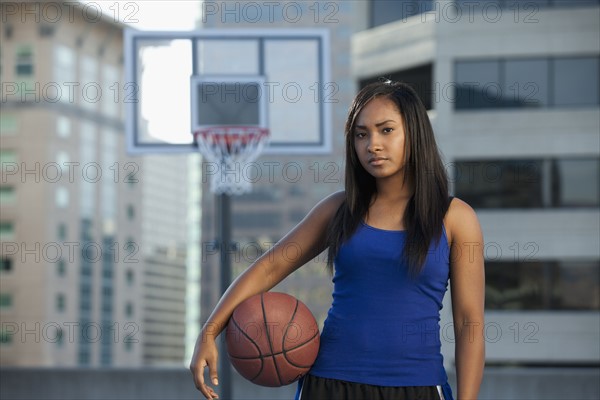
(262, 362)
(280, 352)
(294, 348)
(284, 352)
(262, 304)
(285, 333)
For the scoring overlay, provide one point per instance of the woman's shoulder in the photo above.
(460, 219)
(332, 202)
(326, 208)
(459, 207)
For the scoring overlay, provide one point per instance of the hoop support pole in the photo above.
(224, 206)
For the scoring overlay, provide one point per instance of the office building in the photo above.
(94, 241)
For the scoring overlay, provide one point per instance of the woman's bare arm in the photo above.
(308, 237)
(467, 280)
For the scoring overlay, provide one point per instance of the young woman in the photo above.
(395, 238)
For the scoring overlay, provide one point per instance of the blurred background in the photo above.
(107, 262)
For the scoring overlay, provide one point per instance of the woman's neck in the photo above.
(393, 190)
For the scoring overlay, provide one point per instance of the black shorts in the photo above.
(316, 388)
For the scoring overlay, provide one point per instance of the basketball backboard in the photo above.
(272, 78)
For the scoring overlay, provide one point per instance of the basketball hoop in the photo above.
(231, 148)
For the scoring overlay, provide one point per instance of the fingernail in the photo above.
(215, 381)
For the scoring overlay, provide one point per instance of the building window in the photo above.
(544, 285)
(575, 81)
(386, 11)
(60, 340)
(60, 302)
(6, 264)
(129, 277)
(5, 337)
(527, 83)
(6, 300)
(576, 182)
(130, 212)
(546, 183)
(130, 248)
(7, 195)
(63, 127)
(7, 230)
(88, 154)
(419, 78)
(89, 76)
(107, 291)
(106, 355)
(85, 306)
(106, 307)
(7, 157)
(84, 357)
(62, 231)
(128, 343)
(513, 4)
(8, 124)
(46, 30)
(110, 76)
(64, 68)
(107, 273)
(131, 180)
(62, 197)
(470, 4)
(129, 310)
(85, 291)
(61, 267)
(24, 66)
(474, 81)
(87, 270)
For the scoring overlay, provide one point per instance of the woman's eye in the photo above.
(360, 134)
(388, 130)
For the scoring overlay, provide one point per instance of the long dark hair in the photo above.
(429, 202)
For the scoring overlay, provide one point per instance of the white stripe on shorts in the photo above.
(439, 388)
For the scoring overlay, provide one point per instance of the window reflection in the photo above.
(420, 78)
(515, 4)
(500, 183)
(478, 84)
(548, 285)
(385, 11)
(528, 183)
(576, 81)
(526, 83)
(577, 183)
(519, 83)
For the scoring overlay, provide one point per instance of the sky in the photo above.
(167, 121)
(151, 14)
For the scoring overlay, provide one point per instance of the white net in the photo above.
(229, 150)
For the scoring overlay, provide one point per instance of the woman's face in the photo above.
(379, 138)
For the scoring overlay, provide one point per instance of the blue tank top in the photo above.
(383, 325)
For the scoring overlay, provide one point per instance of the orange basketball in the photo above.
(272, 339)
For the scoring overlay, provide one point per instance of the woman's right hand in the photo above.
(205, 355)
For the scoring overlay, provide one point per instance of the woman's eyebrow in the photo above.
(377, 124)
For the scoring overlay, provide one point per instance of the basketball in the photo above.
(272, 339)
